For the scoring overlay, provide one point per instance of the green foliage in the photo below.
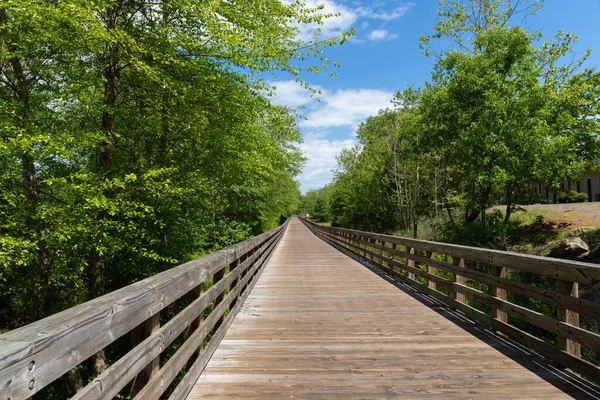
(501, 111)
(135, 135)
(459, 232)
(315, 204)
(571, 196)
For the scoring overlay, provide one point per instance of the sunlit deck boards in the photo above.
(319, 324)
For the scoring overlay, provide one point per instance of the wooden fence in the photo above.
(36, 355)
(442, 270)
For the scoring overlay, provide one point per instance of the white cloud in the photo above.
(291, 93)
(337, 108)
(384, 15)
(347, 107)
(348, 17)
(331, 27)
(321, 161)
(381, 34)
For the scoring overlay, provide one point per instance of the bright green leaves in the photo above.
(135, 135)
(503, 109)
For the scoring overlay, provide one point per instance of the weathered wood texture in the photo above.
(420, 272)
(320, 325)
(35, 355)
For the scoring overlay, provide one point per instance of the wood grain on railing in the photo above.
(34, 356)
(417, 262)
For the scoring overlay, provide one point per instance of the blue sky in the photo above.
(385, 57)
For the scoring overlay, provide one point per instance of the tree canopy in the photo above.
(505, 107)
(135, 135)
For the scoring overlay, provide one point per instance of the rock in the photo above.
(571, 249)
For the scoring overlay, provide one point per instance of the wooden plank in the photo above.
(431, 270)
(216, 278)
(411, 263)
(191, 297)
(235, 282)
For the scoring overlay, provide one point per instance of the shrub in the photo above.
(493, 235)
(571, 196)
(530, 197)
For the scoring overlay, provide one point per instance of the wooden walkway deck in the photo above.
(319, 324)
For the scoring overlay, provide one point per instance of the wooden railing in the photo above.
(34, 356)
(445, 272)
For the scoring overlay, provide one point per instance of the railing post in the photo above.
(568, 316)
(394, 257)
(233, 266)
(191, 296)
(138, 335)
(499, 293)
(216, 279)
(432, 270)
(459, 262)
(363, 245)
(411, 263)
(246, 256)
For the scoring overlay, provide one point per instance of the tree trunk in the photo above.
(97, 261)
(35, 225)
(75, 381)
(484, 202)
(509, 206)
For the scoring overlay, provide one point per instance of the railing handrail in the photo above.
(386, 253)
(568, 270)
(35, 355)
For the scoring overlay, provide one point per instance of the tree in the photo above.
(493, 104)
(136, 135)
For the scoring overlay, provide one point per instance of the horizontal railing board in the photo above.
(33, 356)
(548, 350)
(185, 385)
(573, 271)
(548, 296)
(118, 375)
(169, 371)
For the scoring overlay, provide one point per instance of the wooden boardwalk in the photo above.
(319, 324)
